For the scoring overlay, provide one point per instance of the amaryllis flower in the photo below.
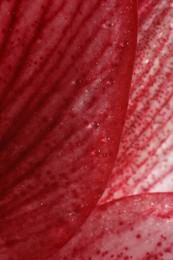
(67, 189)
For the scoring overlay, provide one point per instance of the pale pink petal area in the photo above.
(134, 228)
(65, 71)
(145, 160)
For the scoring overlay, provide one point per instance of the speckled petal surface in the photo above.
(66, 68)
(145, 162)
(134, 228)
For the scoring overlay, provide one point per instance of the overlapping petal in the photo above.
(66, 68)
(145, 162)
(133, 228)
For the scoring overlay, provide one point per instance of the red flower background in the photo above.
(66, 69)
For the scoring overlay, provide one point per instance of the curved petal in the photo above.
(145, 157)
(65, 72)
(137, 228)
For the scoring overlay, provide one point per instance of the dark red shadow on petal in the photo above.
(65, 73)
(137, 228)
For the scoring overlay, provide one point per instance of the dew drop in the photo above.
(146, 61)
(122, 44)
(93, 124)
(171, 25)
(76, 82)
(107, 25)
(95, 152)
(110, 82)
(96, 124)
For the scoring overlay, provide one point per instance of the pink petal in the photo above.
(65, 72)
(135, 228)
(145, 157)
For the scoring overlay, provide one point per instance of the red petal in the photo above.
(145, 158)
(65, 72)
(137, 228)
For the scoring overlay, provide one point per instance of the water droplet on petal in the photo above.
(121, 44)
(107, 25)
(93, 124)
(171, 25)
(110, 82)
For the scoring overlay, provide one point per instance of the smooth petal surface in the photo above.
(145, 157)
(65, 73)
(135, 228)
